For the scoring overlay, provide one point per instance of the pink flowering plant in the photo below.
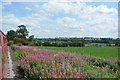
(59, 64)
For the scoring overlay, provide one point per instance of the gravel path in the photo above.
(10, 73)
(14, 71)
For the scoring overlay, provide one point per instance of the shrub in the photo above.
(19, 44)
(117, 43)
(31, 44)
(10, 43)
(38, 43)
(76, 44)
(46, 43)
(20, 40)
(54, 44)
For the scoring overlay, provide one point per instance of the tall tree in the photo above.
(11, 35)
(22, 32)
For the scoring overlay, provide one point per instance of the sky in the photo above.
(62, 19)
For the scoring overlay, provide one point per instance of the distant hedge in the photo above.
(117, 43)
(60, 44)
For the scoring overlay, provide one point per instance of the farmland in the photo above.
(96, 51)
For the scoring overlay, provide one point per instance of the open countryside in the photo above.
(59, 40)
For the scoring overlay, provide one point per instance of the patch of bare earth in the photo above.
(19, 74)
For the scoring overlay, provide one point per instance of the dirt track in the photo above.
(14, 67)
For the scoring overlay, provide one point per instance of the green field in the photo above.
(99, 44)
(96, 51)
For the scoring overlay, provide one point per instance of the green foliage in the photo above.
(20, 40)
(54, 44)
(108, 44)
(19, 44)
(18, 53)
(30, 43)
(31, 38)
(46, 43)
(19, 37)
(10, 43)
(61, 44)
(117, 43)
(22, 32)
(76, 44)
(38, 43)
(11, 35)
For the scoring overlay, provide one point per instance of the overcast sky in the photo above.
(62, 19)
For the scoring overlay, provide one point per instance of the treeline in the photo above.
(60, 44)
(85, 40)
(21, 37)
(35, 42)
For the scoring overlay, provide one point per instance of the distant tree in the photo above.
(76, 44)
(22, 32)
(11, 35)
(54, 44)
(46, 43)
(117, 43)
(64, 44)
(31, 38)
(38, 43)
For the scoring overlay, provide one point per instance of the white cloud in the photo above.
(99, 21)
(93, 12)
(80, 9)
(105, 9)
(27, 8)
(32, 22)
(68, 8)
(66, 20)
(89, 21)
(98, 27)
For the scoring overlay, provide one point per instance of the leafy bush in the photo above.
(31, 44)
(117, 43)
(46, 43)
(21, 40)
(54, 44)
(76, 44)
(10, 43)
(19, 44)
(38, 43)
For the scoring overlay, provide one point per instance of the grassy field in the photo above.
(96, 51)
(100, 44)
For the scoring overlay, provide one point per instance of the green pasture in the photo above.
(96, 51)
(99, 44)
